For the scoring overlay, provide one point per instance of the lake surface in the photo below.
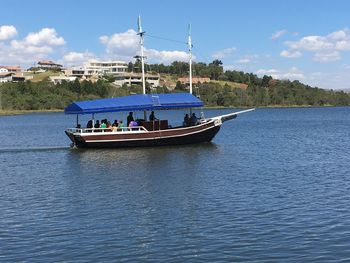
(273, 186)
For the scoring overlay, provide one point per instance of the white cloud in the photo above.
(339, 35)
(290, 54)
(122, 45)
(337, 80)
(243, 60)
(278, 34)
(224, 53)
(325, 57)
(247, 59)
(35, 46)
(7, 32)
(267, 72)
(77, 58)
(166, 57)
(292, 74)
(325, 48)
(126, 45)
(46, 36)
(311, 43)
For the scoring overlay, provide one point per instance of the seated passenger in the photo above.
(121, 125)
(193, 120)
(114, 127)
(115, 123)
(103, 125)
(186, 120)
(109, 126)
(97, 124)
(89, 124)
(133, 124)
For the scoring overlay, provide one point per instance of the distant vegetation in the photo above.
(222, 90)
(263, 91)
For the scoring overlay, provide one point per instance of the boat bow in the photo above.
(222, 118)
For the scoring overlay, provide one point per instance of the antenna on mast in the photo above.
(190, 53)
(141, 33)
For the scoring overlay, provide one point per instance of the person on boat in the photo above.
(129, 118)
(97, 124)
(115, 126)
(103, 125)
(121, 125)
(89, 124)
(109, 126)
(133, 124)
(186, 120)
(152, 117)
(193, 120)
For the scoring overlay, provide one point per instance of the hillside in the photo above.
(40, 76)
(223, 89)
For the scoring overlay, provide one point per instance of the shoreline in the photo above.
(23, 112)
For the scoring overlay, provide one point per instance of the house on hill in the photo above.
(195, 80)
(14, 69)
(49, 65)
(6, 76)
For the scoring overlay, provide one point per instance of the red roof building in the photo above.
(14, 69)
(48, 64)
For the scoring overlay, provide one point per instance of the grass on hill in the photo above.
(42, 75)
(231, 84)
(170, 81)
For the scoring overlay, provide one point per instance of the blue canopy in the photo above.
(135, 103)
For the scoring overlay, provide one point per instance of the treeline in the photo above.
(263, 91)
(45, 95)
(213, 70)
(277, 93)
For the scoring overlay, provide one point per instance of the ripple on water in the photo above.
(272, 187)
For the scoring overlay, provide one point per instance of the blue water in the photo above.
(273, 186)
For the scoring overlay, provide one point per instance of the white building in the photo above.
(3, 70)
(60, 79)
(130, 78)
(97, 69)
(6, 76)
(79, 72)
(105, 68)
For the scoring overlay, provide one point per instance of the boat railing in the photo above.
(108, 130)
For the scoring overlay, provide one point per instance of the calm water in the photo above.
(273, 186)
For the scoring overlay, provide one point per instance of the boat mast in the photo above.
(141, 33)
(190, 52)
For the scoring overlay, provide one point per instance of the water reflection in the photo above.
(148, 158)
(153, 186)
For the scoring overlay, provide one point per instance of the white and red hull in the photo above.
(91, 138)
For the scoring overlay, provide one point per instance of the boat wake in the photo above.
(34, 149)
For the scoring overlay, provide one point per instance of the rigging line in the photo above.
(167, 39)
(202, 56)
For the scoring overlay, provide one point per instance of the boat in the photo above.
(145, 133)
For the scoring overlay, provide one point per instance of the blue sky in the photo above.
(304, 40)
